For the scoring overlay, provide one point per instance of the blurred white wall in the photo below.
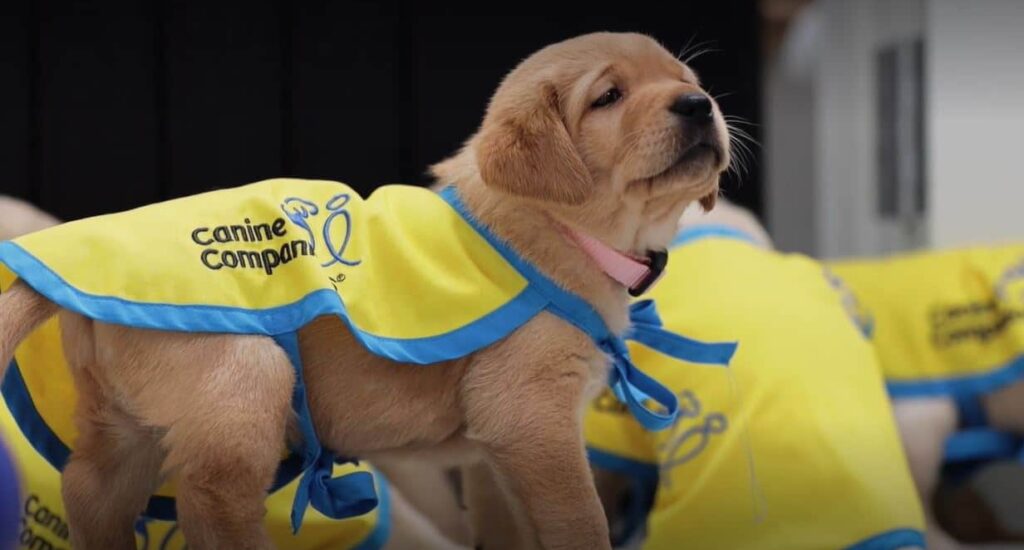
(820, 136)
(822, 116)
(791, 209)
(975, 106)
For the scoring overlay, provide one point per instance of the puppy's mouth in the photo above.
(693, 163)
(700, 152)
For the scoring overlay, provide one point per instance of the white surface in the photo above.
(975, 102)
(820, 112)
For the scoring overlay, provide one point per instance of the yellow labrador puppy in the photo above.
(604, 135)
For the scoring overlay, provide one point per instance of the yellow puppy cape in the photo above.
(947, 323)
(793, 445)
(413, 275)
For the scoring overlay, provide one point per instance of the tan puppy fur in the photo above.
(728, 214)
(19, 217)
(211, 410)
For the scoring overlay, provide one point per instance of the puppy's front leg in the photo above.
(924, 426)
(555, 488)
(497, 522)
(527, 416)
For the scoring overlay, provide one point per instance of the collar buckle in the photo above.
(656, 262)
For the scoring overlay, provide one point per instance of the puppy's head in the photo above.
(599, 123)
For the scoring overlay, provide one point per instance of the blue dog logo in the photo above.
(860, 316)
(336, 230)
(1010, 287)
(690, 438)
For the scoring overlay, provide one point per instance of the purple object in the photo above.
(10, 498)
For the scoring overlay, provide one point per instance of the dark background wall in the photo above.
(106, 105)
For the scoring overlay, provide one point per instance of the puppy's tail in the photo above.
(21, 311)
(19, 218)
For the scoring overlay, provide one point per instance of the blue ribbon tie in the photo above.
(340, 497)
(632, 386)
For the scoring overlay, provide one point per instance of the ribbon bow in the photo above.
(335, 497)
(632, 386)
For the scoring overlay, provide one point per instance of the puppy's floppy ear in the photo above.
(524, 148)
(707, 202)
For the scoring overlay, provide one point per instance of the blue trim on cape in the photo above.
(973, 384)
(695, 233)
(271, 321)
(890, 540)
(631, 385)
(561, 302)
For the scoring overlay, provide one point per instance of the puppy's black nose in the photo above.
(695, 107)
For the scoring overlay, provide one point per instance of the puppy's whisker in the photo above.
(741, 135)
(743, 143)
(690, 47)
(689, 59)
(743, 150)
(736, 119)
(741, 158)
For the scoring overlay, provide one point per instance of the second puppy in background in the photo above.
(793, 445)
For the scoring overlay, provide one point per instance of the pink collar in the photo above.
(636, 274)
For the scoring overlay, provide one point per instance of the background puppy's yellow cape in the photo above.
(948, 323)
(45, 519)
(799, 450)
(944, 323)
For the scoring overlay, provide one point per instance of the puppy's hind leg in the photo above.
(113, 470)
(225, 450)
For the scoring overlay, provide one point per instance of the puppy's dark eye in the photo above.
(608, 98)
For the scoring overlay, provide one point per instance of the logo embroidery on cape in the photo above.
(333, 236)
(953, 324)
(689, 439)
(860, 316)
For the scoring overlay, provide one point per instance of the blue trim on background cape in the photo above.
(972, 384)
(982, 444)
(890, 540)
(695, 233)
(970, 411)
(31, 423)
(271, 321)
(644, 471)
(55, 452)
